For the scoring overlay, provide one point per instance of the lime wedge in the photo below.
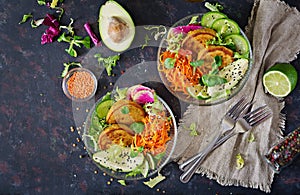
(151, 161)
(280, 79)
(198, 92)
(145, 168)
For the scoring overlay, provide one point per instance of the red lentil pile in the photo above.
(81, 85)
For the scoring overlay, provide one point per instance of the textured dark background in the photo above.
(38, 151)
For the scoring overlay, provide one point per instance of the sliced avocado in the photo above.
(118, 158)
(112, 13)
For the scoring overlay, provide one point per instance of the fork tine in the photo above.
(237, 112)
(261, 119)
(258, 115)
(254, 112)
(234, 107)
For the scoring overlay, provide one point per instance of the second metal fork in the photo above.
(243, 124)
(227, 124)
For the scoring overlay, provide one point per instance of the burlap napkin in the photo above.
(273, 31)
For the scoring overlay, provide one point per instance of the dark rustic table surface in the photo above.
(39, 151)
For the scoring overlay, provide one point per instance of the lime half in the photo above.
(280, 79)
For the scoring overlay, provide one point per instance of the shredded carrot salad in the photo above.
(155, 135)
(182, 75)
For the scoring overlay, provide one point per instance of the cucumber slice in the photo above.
(226, 26)
(241, 44)
(209, 18)
(103, 108)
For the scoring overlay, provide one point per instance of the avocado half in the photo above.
(112, 9)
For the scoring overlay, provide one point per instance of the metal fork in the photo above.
(244, 124)
(227, 124)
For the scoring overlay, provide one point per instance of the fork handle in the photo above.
(189, 172)
(183, 166)
(219, 141)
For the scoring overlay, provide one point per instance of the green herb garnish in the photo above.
(74, 40)
(41, 2)
(147, 39)
(169, 63)
(67, 67)
(239, 161)
(251, 138)
(25, 18)
(157, 31)
(69, 28)
(212, 79)
(216, 7)
(122, 182)
(137, 127)
(125, 110)
(153, 182)
(196, 64)
(108, 62)
(135, 152)
(194, 20)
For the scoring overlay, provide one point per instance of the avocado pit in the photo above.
(117, 29)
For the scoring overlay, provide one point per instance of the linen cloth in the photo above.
(273, 30)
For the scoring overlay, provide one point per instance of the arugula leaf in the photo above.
(122, 182)
(134, 153)
(174, 42)
(53, 3)
(194, 20)
(36, 23)
(67, 67)
(239, 161)
(41, 2)
(217, 7)
(251, 138)
(147, 39)
(25, 18)
(237, 55)
(74, 40)
(108, 62)
(153, 182)
(169, 63)
(120, 94)
(107, 96)
(157, 31)
(218, 40)
(159, 156)
(69, 28)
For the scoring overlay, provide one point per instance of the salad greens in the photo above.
(25, 18)
(239, 161)
(214, 7)
(153, 182)
(74, 40)
(108, 62)
(67, 67)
